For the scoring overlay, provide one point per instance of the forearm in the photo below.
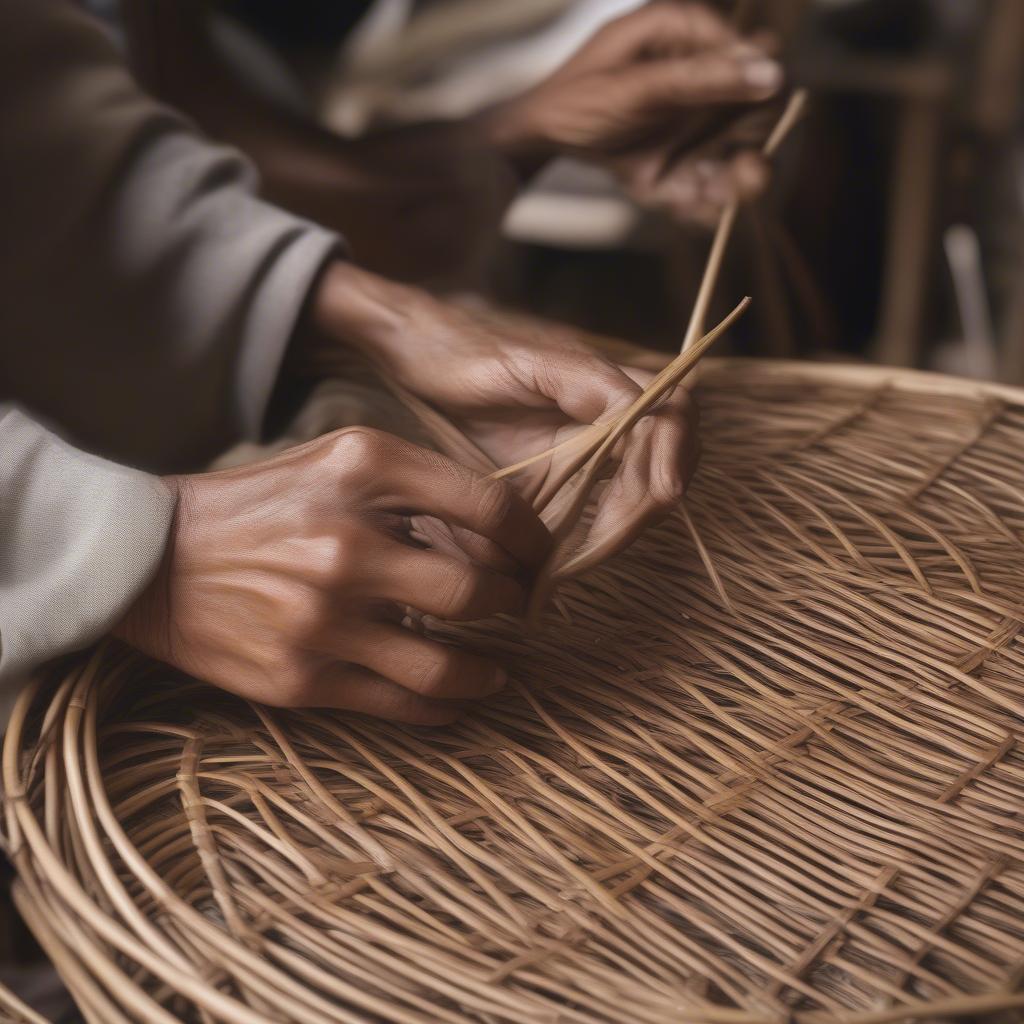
(388, 323)
(361, 310)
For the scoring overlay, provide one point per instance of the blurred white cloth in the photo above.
(458, 58)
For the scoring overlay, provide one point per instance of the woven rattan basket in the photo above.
(766, 767)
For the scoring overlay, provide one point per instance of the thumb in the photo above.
(715, 77)
(657, 29)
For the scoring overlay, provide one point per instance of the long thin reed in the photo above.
(791, 115)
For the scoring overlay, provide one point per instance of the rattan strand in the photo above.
(14, 1011)
(805, 807)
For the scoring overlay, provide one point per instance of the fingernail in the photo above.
(762, 74)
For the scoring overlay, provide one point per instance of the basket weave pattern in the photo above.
(765, 767)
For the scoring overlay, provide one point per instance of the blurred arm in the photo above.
(147, 296)
(413, 202)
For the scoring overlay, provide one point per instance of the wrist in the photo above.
(362, 311)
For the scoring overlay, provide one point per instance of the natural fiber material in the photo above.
(765, 767)
(14, 1011)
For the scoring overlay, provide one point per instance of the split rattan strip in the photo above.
(791, 792)
(14, 1011)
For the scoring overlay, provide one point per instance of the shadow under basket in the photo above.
(766, 769)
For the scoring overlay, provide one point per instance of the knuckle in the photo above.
(336, 558)
(354, 446)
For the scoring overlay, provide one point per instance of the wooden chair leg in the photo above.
(911, 230)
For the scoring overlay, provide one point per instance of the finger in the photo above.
(660, 28)
(353, 688)
(427, 483)
(461, 544)
(583, 384)
(431, 669)
(491, 509)
(652, 478)
(749, 130)
(695, 189)
(731, 132)
(715, 77)
(445, 587)
(748, 174)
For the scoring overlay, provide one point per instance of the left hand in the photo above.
(518, 390)
(669, 98)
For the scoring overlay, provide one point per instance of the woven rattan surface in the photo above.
(765, 767)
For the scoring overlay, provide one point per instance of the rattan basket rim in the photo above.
(897, 377)
(755, 381)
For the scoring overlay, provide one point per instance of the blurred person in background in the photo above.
(626, 103)
(153, 305)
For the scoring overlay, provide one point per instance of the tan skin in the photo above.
(287, 582)
(668, 98)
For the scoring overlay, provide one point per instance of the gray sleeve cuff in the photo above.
(80, 538)
(216, 281)
(272, 319)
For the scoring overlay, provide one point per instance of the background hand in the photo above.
(286, 582)
(661, 97)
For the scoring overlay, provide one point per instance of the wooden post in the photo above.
(911, 231)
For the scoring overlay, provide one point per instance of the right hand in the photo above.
(656, 98)
(516, 388)
(286, 582)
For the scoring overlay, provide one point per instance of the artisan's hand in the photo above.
(656, 97)
(517, 391)
(285, 582)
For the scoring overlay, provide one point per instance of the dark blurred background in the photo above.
(892, 232)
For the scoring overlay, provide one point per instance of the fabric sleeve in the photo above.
(147, 294)
(80, 538)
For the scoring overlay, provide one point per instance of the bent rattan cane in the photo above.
(765, 767)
